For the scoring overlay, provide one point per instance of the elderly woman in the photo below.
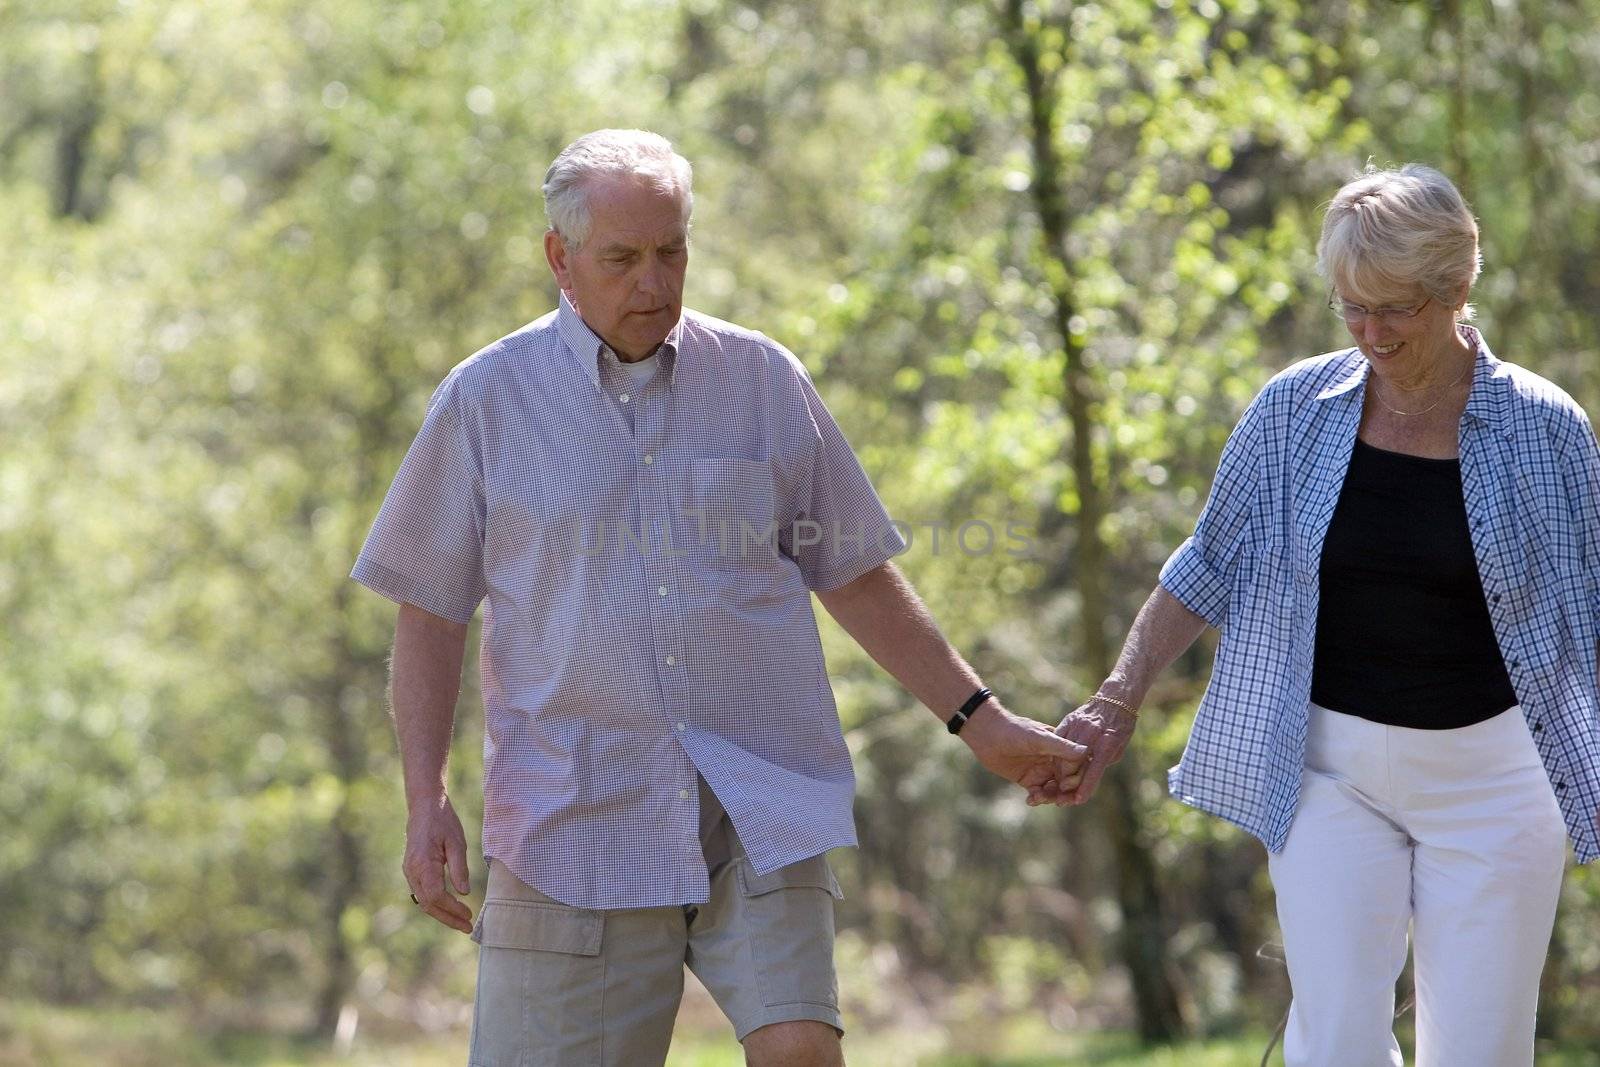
(1402, 551)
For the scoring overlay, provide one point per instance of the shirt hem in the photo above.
(393, 585)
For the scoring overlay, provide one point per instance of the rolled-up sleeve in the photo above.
(426, 546)
(1581, 473)
(1200, 573)
(840, 529)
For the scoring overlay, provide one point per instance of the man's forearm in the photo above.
(424, 682)
(884, 615)
(1162, 631)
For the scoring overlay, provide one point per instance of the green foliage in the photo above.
(247, 240)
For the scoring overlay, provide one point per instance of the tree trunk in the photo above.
(1143, 940)
(345, 870)
(1460, 155)
(72, 157)
(344, 886)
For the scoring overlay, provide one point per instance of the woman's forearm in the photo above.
(1162, 631)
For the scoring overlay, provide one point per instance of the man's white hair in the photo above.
(614, 154)
(1391, 230)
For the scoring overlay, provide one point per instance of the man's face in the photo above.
(627, 279)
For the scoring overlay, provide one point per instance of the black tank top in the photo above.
(1403, 632)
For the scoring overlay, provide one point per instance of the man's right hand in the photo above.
(435, 843)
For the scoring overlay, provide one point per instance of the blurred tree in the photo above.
(248, 240)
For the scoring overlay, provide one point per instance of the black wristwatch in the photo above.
(974, 702)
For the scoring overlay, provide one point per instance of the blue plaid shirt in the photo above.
(1530, 474)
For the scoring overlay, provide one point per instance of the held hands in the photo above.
(435, 842)
(1104, 730)
(1025, 752)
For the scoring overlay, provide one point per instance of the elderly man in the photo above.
(646, 497)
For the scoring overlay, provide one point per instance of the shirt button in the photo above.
(683, 794)
(672, 661)
(649, 459)
(1560, 786)
(623, 398)
(1538, 727)
(682, 727)
(1514, 663)
(1495, 597)
(663, 591)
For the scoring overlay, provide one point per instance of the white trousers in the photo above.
(1454, 833)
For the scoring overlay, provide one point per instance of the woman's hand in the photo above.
(1105, 730)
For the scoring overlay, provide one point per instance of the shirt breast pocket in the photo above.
(732, 511)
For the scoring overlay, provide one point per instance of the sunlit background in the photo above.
(243, 241)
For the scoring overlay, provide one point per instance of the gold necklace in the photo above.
(1431, 406)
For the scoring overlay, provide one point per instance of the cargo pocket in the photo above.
(791, 920)
(813, 873)
(540, 979)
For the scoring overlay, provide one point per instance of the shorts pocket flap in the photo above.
(539, 927)
(812, 873)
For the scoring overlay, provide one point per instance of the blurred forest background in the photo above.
(1038, 256)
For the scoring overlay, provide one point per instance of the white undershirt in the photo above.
(640, 373)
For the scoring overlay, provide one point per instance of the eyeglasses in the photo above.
(1354, 313)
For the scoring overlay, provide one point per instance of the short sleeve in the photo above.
(1581, 474)
(1200, 573)
(426, 546)
(840, 529)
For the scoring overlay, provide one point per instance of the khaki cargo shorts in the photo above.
(560, 986)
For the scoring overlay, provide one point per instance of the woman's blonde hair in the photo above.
(1389, 230)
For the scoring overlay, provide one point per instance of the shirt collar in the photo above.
(1354, 379)
(1490, 399)
(1486, 402)
(587, 347)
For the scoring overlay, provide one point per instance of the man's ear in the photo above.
(555, 254)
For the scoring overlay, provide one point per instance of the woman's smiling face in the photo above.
(1403, 333)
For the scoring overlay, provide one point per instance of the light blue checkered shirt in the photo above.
(646, 552)
(1530, 473)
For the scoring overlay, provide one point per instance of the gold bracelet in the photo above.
(1129, 708)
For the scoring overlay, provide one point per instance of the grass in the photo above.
(35, 1035)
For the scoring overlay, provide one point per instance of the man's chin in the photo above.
(643, 345)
